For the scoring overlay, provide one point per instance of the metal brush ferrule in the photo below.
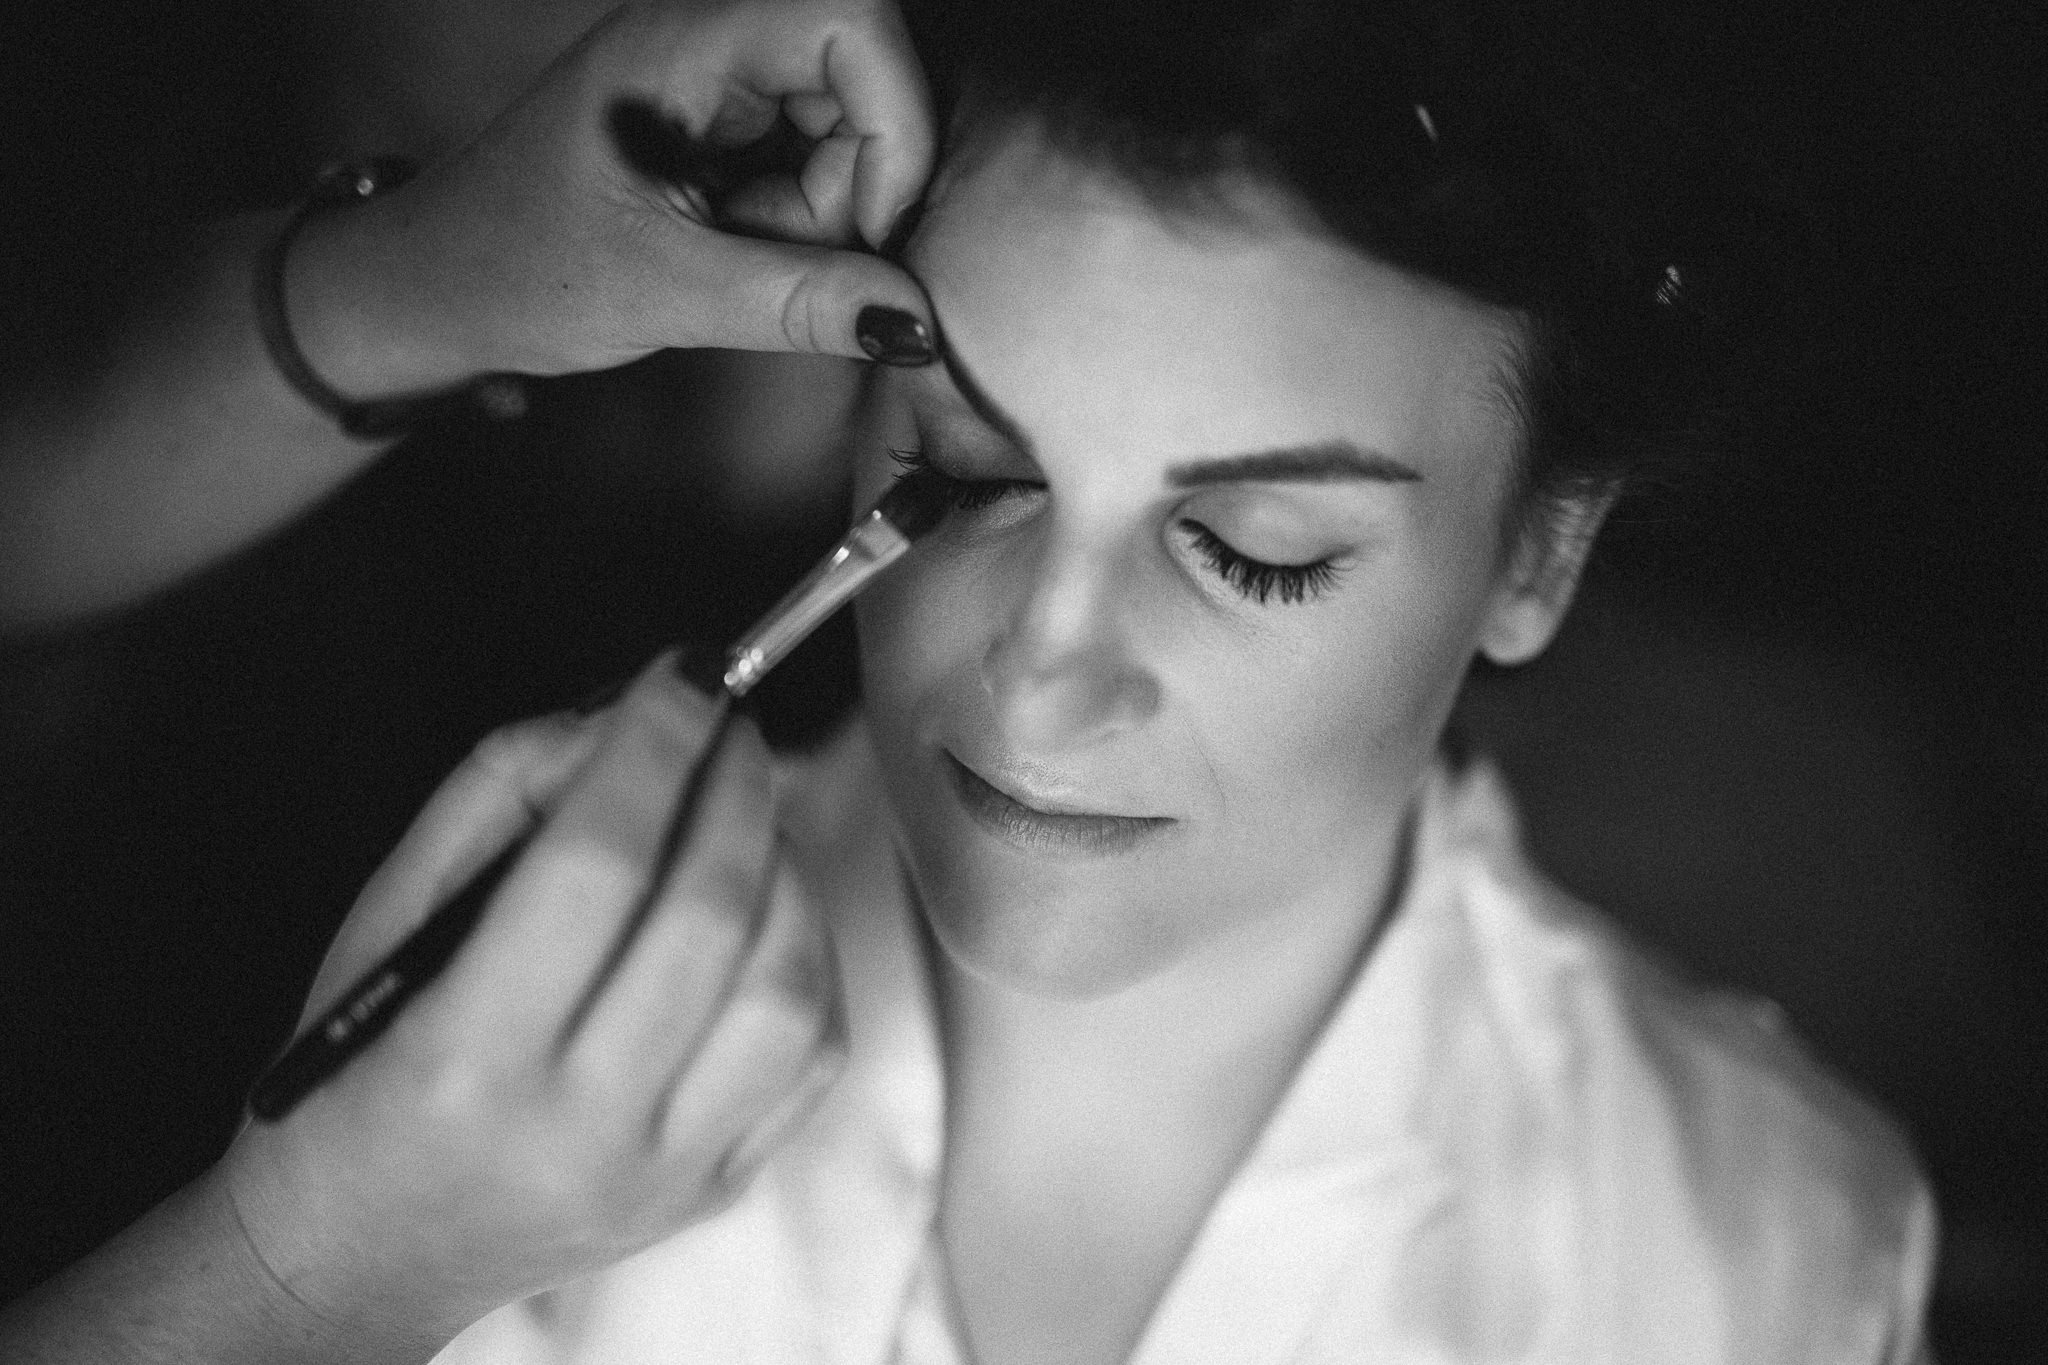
(870, 547)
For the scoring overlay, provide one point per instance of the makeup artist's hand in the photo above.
(569, 1090)
(549, 244)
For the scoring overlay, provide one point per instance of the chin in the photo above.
(1041, 934)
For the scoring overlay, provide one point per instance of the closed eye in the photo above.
(1255, 579)
(964, 495)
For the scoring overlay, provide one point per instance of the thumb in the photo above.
(781, 296)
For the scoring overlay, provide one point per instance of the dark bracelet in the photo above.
(501, 396)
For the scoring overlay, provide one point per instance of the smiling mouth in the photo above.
(1038, 831)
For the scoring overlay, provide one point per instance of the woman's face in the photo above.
(1162, 685)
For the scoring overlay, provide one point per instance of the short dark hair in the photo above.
(1448, 139)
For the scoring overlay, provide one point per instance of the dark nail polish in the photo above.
(893, 336)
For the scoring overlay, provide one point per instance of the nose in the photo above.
(1062, 674)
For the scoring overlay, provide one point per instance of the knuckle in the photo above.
(723, 928)
(515, 748)
(725, 888)
(593, 871)
(829, 1060)
(667, 726)
(549, 1166)
(746, 753)
(592, 1082)
(733, 1171)
(452, 1094)
(716, 909)
(714, 928)
(788, 1019)
(731, 889)
(866, 14)
(807, 310)
(807, 976)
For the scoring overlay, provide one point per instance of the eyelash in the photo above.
(1252, 579)
(1255, 578)
(966, 495)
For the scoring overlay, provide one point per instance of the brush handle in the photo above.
(870, 547)
(368, 1007)
(912, 506)
(362, 1014)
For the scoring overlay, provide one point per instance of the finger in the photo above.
(674, 971)
(556, 922)
(873, 70)
(859, 55)
(779, 1035)
(508, 783)
(815, 114)
(742, 117)
(816, 207)
(828, 186)
(777, 296)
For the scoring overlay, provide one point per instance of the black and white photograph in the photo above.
(1023, 682)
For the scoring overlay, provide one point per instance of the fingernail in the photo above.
(893, 336)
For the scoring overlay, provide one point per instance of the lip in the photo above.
(1039, 831)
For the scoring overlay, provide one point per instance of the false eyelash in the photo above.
(1256, 579)
(965, 494)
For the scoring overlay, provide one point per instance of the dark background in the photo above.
(1797, 732)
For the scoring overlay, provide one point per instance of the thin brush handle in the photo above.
(367, 1009)
(362, 1014)
(912, 506)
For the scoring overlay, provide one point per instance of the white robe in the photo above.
(1517, 1140)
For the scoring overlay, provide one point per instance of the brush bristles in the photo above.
(915, 503)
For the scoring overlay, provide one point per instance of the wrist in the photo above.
(308, 1299)
(270, 1313)
(184, 1282)
(363, 326)
(357, 326)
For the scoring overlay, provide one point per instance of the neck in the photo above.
(1087, 1140)
(1195, 1056)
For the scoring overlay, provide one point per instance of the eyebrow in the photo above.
(1323, 462)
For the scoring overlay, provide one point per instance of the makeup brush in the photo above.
(913, 505)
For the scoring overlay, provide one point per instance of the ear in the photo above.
(1543, 570)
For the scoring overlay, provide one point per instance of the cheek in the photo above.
(1339, 728)
(919, 627)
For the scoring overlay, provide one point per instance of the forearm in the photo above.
(178, 446)
(181, 445)
(542, 248)
(179, 1285)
